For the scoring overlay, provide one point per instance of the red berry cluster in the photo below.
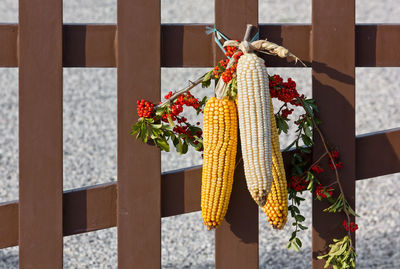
(217, 69)
(221, 71)
(230, 72)
(335, 156)
(321, 191)
(297, 183)
(145, 108)
(352, 226)
(286, 112)
(180, 129)
(185, 130)
(317, 169)
(176, 108)
(230, 50)
(185, 99)
(284, 91)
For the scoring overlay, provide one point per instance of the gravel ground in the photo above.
(90, 144)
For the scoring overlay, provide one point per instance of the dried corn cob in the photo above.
(254, 123)
(276, 207)
(220, 146)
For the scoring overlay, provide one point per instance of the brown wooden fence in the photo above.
(40, 46)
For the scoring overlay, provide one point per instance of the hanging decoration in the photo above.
(243, 98)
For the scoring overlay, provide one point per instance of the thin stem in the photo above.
(248, 31)
(297, 226)
(294, 142)
(285, 104)
(330, 185)
(177, 93)
(336, 174)
(314, 163)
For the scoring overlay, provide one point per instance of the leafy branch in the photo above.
(341, 254)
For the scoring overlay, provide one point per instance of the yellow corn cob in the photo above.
(254, 123)
(220, 146)
(276, 207)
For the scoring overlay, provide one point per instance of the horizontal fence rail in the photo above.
(94, 208)
(94, 45)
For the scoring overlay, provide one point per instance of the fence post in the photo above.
(139, 165)
(236, 240)
(40, 134)
(333, 70)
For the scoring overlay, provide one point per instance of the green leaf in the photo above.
(307, 131)
(293, 236)
(149, 120)
(311, 186)
(207, 79)
(170, 121)
(178, 145)
(311, 102)
(162, 143)
(194, 129)
(296, 209)
(199, 146)
(154, 134)
(233, 88)
(302, 227)
(156, 126)
(161, 110)
(184, 147)
(135, 128)
(281, 124)
(305, 150)
(295, 247)
(300, 218)
(307, 141)
(143, 133)
(307, 107)
(298, 170)
(290, 146)
(298, 242)
(350, 210)
(201, 105)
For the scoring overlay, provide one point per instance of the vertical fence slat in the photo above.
(40, 134)
(236, 240)
(139, 165)
(333, 72)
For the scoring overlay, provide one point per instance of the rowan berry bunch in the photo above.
(297, 183)
(230, 51)
(176, 108)
(221, 71)
(338, 163)
(352, 227)
(284, 91)
(145, 108)
(219, 68)
(165, 123)
(230, 73)
(317, 169)
(323, 192)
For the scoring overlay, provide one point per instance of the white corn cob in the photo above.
(255, 125)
